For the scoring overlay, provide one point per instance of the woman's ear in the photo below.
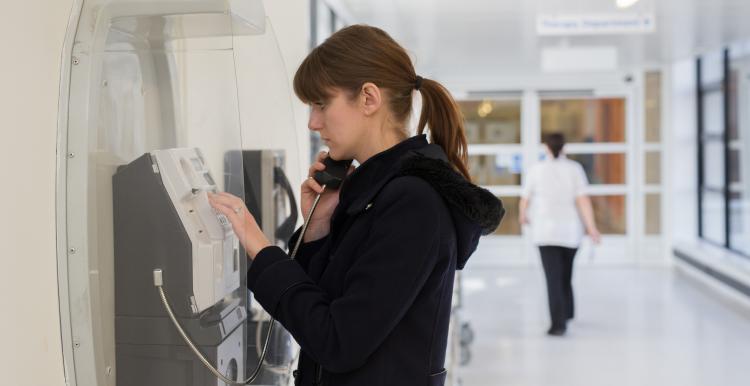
(371, 98)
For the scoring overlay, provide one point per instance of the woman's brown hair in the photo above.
(359, 54)
(555, 142)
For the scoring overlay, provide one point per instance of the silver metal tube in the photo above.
(307, 222)
(189, 341)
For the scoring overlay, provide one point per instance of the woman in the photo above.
(557, 187)
(368, 297)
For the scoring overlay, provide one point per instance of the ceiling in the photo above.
(448, 38)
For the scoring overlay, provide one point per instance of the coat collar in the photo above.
(361, 187)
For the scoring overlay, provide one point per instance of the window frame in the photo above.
(703, 138)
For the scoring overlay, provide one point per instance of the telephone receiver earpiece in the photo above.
(334, 173)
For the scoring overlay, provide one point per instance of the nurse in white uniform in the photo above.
(560, 213)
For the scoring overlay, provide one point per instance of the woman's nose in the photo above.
(315, 123)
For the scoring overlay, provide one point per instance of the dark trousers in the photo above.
(558, 270)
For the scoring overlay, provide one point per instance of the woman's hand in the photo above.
(320, 223)
(523, 207)
(248, 232)
(594, 234)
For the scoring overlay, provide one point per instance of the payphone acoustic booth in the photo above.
(161, 103)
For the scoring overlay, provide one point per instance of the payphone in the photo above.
(165, 228)
(163, 220)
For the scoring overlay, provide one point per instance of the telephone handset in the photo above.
(334, 173)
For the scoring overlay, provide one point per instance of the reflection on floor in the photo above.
(647, 326)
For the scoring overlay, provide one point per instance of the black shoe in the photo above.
(557, 330)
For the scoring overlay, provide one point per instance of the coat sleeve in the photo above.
(398, 256)
(304, 254)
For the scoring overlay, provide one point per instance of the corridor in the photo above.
(634, 326)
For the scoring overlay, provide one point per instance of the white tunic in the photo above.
(552, 187)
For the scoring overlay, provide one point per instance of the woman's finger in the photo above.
(229, 212)
(229, 199)
(312, 184)
(230, 196)
(318, 166)
(221, 202)
(229, 207)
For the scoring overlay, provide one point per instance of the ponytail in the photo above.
(441, 113)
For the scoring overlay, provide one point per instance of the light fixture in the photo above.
(625, 3)
(484, 109)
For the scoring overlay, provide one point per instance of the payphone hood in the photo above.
(475, 210)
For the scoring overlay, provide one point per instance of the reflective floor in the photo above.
(633, 326)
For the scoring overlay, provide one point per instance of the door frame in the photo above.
(633, 248)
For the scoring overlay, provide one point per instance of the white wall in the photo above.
(682, 138)
(31, 34)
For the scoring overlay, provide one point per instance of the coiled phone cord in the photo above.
(159, 283)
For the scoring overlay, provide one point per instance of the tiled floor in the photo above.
(639, 327)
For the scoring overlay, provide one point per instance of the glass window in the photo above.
(713, 164)
(653, 167)
(713, 216)
(717, 179)
(713, 114)
(492, 121)
(653, 106)
(610, 213)
(712, 68)
(604, 168)
(735, 166)
(734, 123)
(498, 169)
(739, 129)
(653, 214)
(585, 120)
(510, 225)
(739, 211)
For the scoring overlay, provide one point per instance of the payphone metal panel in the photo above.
(215, 249)
(163, 220)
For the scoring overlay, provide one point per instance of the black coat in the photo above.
(370, 303)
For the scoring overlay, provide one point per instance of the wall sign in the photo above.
(595, 24)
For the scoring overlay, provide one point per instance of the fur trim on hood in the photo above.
(475, 210)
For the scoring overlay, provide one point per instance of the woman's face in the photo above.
(341, 124)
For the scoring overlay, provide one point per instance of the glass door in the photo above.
(613, 129)
(597, 136)
(494, 131)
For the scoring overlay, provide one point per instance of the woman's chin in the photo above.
(335, 155)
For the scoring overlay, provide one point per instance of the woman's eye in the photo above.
(320, 105)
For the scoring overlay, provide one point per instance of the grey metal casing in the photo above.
(149, 235)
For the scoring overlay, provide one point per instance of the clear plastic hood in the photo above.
(155, 114)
